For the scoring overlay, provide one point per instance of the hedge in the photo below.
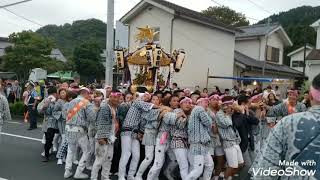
(17, 108)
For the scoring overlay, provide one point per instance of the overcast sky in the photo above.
(66, 11)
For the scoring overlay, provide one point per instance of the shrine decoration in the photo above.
(149, 66)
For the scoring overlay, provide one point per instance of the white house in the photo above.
(57, 55)
(4, 42)
(207, 42)
(297, 57)
(313, 58)
(260, 48)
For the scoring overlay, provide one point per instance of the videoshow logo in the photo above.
(289, 171)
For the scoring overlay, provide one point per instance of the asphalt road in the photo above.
(20, 158)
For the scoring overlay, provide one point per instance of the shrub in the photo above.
(17, 108)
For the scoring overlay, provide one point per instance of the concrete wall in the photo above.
(205, 47)
(250, 48)
(275, 41)
(298, 57)
(256, 48)
(153, 17)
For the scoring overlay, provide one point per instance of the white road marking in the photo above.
(13, 122)
(3, 178)
(18, 136)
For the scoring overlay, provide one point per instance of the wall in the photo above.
(298, 57)
(153, 17)
(256, 48)
(249, 48)
(274, 40)
(205, 48)
(312, 69)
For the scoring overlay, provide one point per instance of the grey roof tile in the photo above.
(179, 10)
(256, 30)
(250, 62)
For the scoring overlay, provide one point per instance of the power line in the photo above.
(223, 5)
(12, 4)
(217, 3)
(22, 17)
(260, 7)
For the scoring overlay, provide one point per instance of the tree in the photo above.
(30, 50)
(87, 61)
(69, 36)
(226, 15)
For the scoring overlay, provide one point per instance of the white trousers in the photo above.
(149, 154)
(0, 132)
(201, 164)
(104, 154)
(129, 146)
(159, 159)
(182, 159)
(92, 149)
(55, 142)
(83, 143)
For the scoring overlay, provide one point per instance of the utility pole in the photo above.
(304, 55)
(110, 44)
(12, 4)
(266, 49)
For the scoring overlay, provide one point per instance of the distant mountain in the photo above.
(68, 36)
(297, 23)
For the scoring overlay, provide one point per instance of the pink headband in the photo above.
(115, 94)
(185, 90)
(228, 102)
(256, 97)
(202, 99)
(214, 97)
(315, 94)
(186, 100)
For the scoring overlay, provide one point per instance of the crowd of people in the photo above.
(11, 89)
(176, 133)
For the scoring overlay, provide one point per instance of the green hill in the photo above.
(297, 23)
(68, 36)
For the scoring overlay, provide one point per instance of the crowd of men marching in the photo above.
(175, 133)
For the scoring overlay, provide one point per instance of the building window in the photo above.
(156, 38)
(297, 63)
(273, 54)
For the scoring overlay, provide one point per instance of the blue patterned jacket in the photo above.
(198, 126)
(133, 117)
(295, 138)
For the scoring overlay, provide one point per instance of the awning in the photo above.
(56, 75)
(67, 75)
